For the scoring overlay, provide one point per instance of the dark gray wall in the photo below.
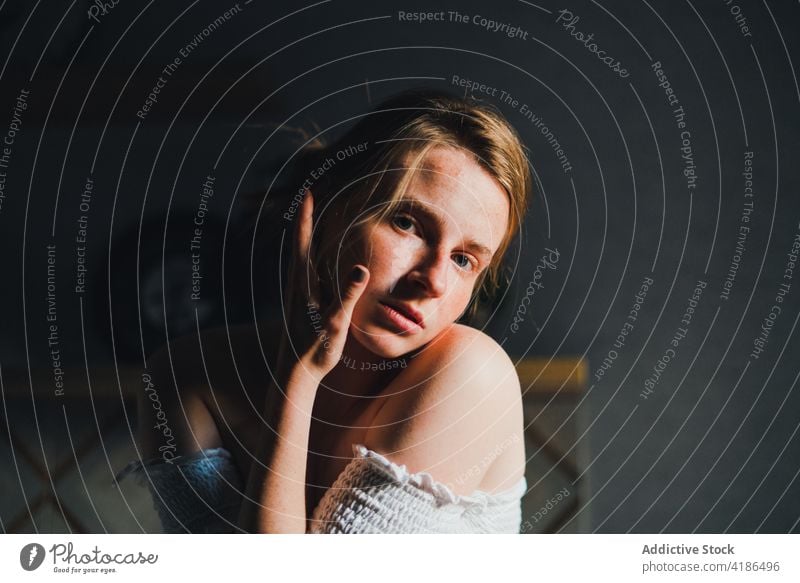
(710, 447)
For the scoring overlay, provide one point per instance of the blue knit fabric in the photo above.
(197, 493)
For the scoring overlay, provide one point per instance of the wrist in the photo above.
(299, 384)
(291, 381)
(295, 370)
(302, 377)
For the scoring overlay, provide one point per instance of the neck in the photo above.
(360, 372)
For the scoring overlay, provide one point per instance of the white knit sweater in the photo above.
(375, 495)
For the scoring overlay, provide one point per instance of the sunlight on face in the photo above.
(424, 259)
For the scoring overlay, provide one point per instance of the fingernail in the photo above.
(358, 274)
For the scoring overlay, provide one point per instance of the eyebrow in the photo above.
(421, 207)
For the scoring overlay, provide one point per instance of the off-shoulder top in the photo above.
(202, 492)
(375, 495)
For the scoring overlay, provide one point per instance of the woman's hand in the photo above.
(314, 336)
(311, 345)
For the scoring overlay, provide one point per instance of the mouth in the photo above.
(403, 317)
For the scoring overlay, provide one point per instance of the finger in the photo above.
(342, 313)
(302, 245)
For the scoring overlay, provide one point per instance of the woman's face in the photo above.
(425, 259)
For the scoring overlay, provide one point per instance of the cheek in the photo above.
(458, 304)
(396, 259)
(388, 253)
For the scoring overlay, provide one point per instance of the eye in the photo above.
(403, 222)
(464, 262)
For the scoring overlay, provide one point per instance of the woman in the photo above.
(370, 409)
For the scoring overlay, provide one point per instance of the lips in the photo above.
(407, 312)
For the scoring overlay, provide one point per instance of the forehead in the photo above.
(450, 184)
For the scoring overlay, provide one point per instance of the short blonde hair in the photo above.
(368, 183)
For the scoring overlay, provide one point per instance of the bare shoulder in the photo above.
(456, 413)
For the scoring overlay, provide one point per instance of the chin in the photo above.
(383, 343)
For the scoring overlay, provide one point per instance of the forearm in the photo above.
(278, 490)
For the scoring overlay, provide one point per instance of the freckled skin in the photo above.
(420, 262)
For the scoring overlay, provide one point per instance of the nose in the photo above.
(431, 273)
